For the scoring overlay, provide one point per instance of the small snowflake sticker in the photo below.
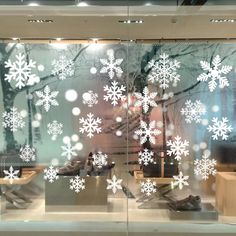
(90, 125)
(47, 98)
(68, 150)
(146, 157)
(90, 98)
(145, 100)
(63, 67)
(55, 129)
(180, 180)
(148, 187)
(100, 159)
(220, 128)
(111, 66)
(27, 153)
(13, 119)
(11, 174)
(20, 71)
(164, 71)
(193, 111)
(205, 167)
(147, 132)
(177, 148)
(214, 73)
(114, 184)
(114, 93)
(77, 184)
(50, 174)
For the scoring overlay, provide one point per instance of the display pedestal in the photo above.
(226, 192)
(207, 213)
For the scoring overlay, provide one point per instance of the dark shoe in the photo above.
(191, 203)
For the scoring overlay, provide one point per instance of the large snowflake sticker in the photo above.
(55, 129)
(214, 73)
(114, 184)
(114, 93)
(50, 174)
(148, 187)
(13, 119)
(11, 174)
(90, 125)
(77, 184)
(111, 65)
(63, 67)
(100, 159)
(27, 153)
(164, 71)
(90, 98)
(177, 148)
(193, 111)
(145, 100)
(180, 180)
(147, 132)
(205, 167)
(68, 150)
(220, 128)
(146, 157)
(20, 71)
(47, 98)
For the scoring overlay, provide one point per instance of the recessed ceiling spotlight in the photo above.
(15, 39)
(58, 39)
(222, 20)
(33, 4)
(82, 3)
(131, 21)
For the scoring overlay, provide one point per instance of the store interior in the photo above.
(118, 117)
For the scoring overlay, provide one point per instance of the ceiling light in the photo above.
(131, 21)
(33, 4)
(40, 21)
(15, 39)
(148, 4)
(58, 39)
(82, 3)
(222, 20)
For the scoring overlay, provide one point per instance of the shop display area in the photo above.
(118, 134)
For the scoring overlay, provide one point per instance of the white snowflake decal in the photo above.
(13, 120)
(90, 98)
(177, 148)
(50, 174)
(90, 125)
(100, 159)
(147, 131)
(77, 184)
(214, 72)
(54, 129)
(193, 111)
(68, 150)
(20, 71)
(146, 157)
(180, 180)
(114, 93)
(164, 71)
(111, 65)
(47, 98)
(11, 174)
(27, 153)
(148, 187)
(63, 67)
(114, 184)
(145, 100)
(205, 167)
(220, 128)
